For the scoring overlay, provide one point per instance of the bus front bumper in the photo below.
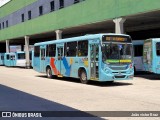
(116, 76)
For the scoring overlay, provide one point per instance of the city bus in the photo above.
(99, 57)
(151, 55)
(1, 58)
(138, 55)
(16, 59)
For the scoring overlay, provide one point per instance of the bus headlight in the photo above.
(106, 70)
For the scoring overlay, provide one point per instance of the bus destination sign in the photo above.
(116, 39)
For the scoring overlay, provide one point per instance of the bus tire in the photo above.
(83, 77)
(49, 72)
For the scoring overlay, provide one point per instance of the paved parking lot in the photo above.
(25, 89)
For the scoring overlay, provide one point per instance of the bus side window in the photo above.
(36, 51)
(12, 57)
(2, 57)
(7, 57)
(83, 48)
(158, 52)
(71, 49)
(51, 50)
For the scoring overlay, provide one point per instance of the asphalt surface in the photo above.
(27, 90)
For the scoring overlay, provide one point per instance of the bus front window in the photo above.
(116, 53)
(21, 56)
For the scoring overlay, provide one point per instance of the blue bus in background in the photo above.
(1, 58)
(99, 57)
(138, 55)
(9, 59)
(151, 55)
(16, 59)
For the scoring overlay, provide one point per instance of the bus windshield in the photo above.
(21, 56)
(116, 53)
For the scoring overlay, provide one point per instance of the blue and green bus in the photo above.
(151, 55)
(16, 59)
(99, 57)
(1, 58)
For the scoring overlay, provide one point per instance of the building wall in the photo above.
(87, 12)
(16, 17)
(13, 6)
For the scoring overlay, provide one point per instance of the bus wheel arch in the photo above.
(49, 72)
(82, 74)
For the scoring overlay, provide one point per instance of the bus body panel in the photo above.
(1, 58)
(20, 59)
(151, 57)
(10, 59)
(126, 72)
(62, 65)
(21, 63)
(36, 64)
(16, 59)
(156, 56)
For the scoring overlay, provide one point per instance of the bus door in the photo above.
(60, 57)
(94, 58)
(42, 59)
(12, 60)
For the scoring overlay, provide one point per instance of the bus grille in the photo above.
(118, 67)
(122, 76)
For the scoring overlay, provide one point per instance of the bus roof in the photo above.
(85, 37)
(20, 52)
(154, 39)
(138, 42)
(11, 53)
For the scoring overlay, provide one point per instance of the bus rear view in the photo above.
(151, 55)
(117, 58)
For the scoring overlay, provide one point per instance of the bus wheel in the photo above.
(83, 77)
(49, 72)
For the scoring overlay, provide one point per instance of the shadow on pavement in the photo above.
(17, 67)
(15, 100)
(147, 75)
(95, 83)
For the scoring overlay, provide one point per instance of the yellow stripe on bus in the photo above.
(125, 61)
